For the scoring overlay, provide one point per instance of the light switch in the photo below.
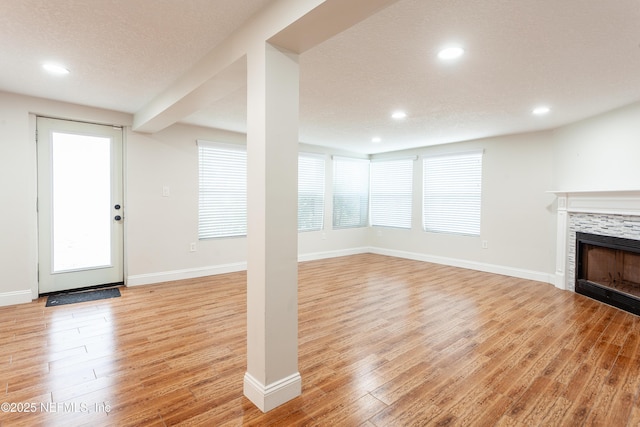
(165, 191)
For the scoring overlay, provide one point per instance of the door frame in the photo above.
(33, 120)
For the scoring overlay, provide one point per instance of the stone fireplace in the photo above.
(608, 223)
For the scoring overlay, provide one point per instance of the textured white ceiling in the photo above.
(581, 57)
(121, 53)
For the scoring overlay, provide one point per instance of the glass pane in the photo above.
(222, 208)
(81, 194)
(350, 192)
(310, 192)
(391, 193)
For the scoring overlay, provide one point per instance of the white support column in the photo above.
(272, 376)
(560, 280)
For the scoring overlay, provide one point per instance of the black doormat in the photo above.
(72, 298)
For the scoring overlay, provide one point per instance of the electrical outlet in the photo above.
(192, 248)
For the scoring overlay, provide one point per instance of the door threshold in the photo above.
(86, 288)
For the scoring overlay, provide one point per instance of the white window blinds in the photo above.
(223, 190)
(391, 192)
(452, 190)
(350, 192)
(310, 192)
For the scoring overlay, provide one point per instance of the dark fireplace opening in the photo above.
(608, 269)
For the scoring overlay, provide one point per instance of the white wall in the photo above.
(600, 153)
(518, 171)
(517, 221)
(158, 230)
(161, 229)
(18, 217)
(18, 242)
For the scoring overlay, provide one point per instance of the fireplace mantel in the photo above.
(608, 202)
(621, 202)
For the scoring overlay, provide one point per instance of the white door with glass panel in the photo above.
(80, 209)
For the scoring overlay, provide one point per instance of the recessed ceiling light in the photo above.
(399, 115)
(450, 53)
(541, 111)
(55, 69)
(376, 139)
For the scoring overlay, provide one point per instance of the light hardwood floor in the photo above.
(383, 342)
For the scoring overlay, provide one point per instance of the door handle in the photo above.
(117, 218)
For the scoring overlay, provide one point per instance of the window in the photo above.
(350, 192)
(310, 192)
(223, 190)
(452, 187)
(391, 192)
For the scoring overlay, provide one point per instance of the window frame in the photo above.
(318, 213)
(454, 190)
(339, 219)
(238, 178)
(388, 208)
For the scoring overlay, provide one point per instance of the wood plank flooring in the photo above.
(382, 342)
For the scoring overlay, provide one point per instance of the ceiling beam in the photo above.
(325, 21)
(296, 25)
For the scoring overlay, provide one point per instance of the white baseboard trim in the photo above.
(471, 265)
(189, 273)
(332, 254)
(192, 273)
(559, 280)
(15, 297)
(272, 395)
